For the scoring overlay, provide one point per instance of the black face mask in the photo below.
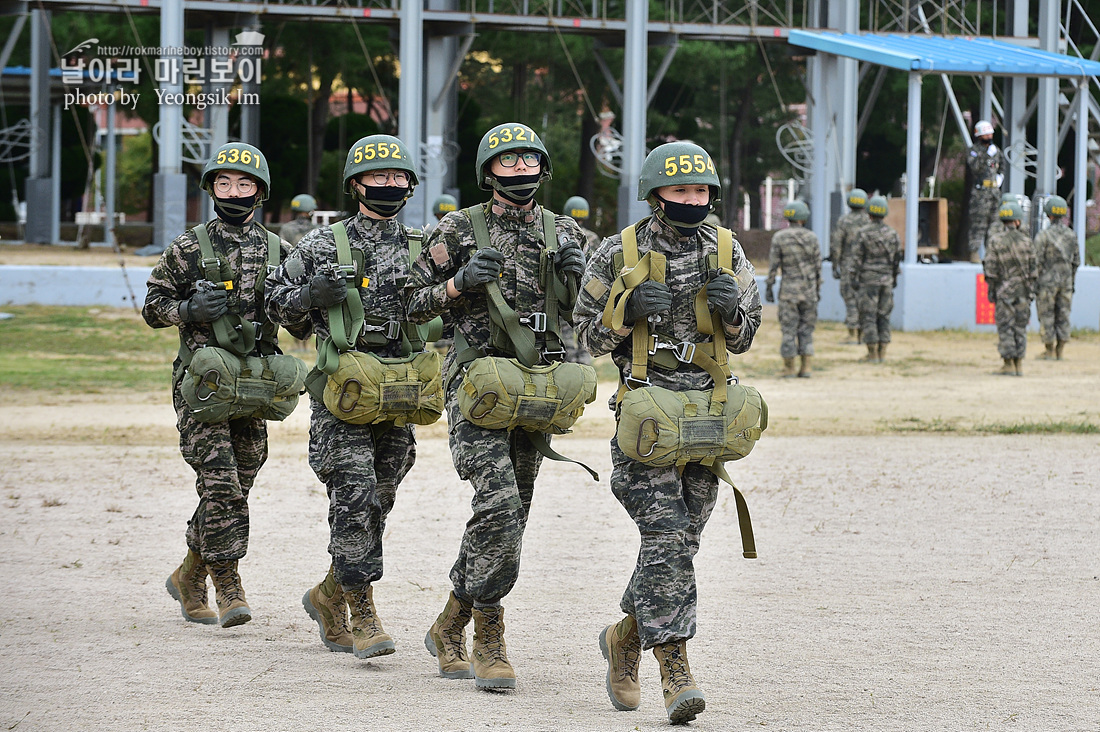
(683, 217)
(519, 189)
(234, 211)
(385, 201)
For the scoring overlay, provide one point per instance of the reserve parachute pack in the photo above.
(663, 427)
(362, 387)
(525, 392)
(229, 380)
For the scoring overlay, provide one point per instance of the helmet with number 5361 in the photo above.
(241, 157)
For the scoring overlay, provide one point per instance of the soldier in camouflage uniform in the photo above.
(669, 506)
(226, 456)
(1058, 258)
(986, 163)
(840, 254)
(1010, 274)
(796, 252)
(302, 206)
(874, 269)
(576, 207)
(361, 465)
(449, 277)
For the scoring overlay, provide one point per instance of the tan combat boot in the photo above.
(490, 655)
(232, 607)
(788, 368)
(368, 638)
(1058, 350)
(446, 639)
(804, 372)
(1018, 366)
(882, 352)
(622, 647)
(872, 353)
(1048, 354)
(683, 699)
(188, 586)
(326, 604)
(853, 336)
(1009, 368)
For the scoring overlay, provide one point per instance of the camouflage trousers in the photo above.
(851, 299)
(361, 466)
(502, 467)
(670, 511)
(797, 319)
(1012, 316)
(983, 211)
(876, 303)
(574, 353)
(226, 457)
(1053, 303)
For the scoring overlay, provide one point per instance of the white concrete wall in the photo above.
(42, 285)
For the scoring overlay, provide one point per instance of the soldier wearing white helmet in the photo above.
(986, 163)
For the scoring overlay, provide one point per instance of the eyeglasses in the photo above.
(530, 159)
(382, 177)
(244, 185)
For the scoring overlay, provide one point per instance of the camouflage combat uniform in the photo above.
(1058, 257)
(669, 508)
(840, 254)
(795, 251)
(591, 241)
(226, 456)
(573, 351)
(361, 465)
(873, 272)
(293, 230)
(501, 465)
(1010, 273)
(985, 197)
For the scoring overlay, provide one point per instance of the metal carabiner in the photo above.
(344, 392)
(638, 446)
(217, 382)
(480, 399)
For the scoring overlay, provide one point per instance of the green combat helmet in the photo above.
(1056, 207)
(1011, 211)
(796, 211)
(877, 207)
(379, 152)
(303, 203)
(678, 164)
(857, 198)
(576, 207)
(502, 138)
(444, 205)
(241, 157)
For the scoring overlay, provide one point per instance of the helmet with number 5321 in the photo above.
(241, 157)
(505, 137)
(678, 164)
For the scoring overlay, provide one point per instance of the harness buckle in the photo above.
(553, 355)
(391, 329)
(537, 322)
(732, 380)
(631, 383)
(684, 351)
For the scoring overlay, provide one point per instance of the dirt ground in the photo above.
(916, 572)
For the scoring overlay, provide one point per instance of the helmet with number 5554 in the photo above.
(505, 137)
(678, 164)
(240, 157)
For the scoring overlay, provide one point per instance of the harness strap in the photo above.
(744, 521)
(345, 320)
(538, 441)
(230, 331)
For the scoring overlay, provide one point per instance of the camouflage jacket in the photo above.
(876, 255)
(293, 231)
(985, 168)
(174, 276)
(516, 233)
(686, 273)
(591, 241)
(385, 248)
(1010, 266)
(795, 251)
(843, 237)
(1057, 255)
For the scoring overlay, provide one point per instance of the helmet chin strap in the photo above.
(235, 211)
(386, 201)
(521, 188)
(693, 215)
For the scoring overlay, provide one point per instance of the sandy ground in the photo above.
(937, 579)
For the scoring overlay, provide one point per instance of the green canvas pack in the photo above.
(503, 394)
(368, 389)
(220, 385)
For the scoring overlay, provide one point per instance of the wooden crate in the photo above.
(933, 233)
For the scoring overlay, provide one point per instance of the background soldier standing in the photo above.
(875, 264)
(796, 252)
(577, 208)
(444, 204)
(840, 254)
(1058, 259)
(670, 506)
(986, 163)
(302, 206)
(1010, 274)
(450, 276)
(361, 465)
(226, 456)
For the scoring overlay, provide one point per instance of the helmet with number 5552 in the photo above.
(505, 137)
(240, 157)
(378, 152)
(678, 164)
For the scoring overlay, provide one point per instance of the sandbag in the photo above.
(219, 385)
(502, 394)
(367, 389)
(661, 427)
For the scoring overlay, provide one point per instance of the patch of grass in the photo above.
(1092, 250)
(52, 502)
(916, 424)
(1041, 428)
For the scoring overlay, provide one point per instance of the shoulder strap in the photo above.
(345, 320)
(230, 331)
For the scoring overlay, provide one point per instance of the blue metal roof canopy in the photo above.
(946, 55)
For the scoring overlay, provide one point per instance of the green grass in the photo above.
(87, 350)
(1092, 250)
(1041, 428)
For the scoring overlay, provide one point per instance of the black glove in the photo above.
(769, 294)
(991, 291)
(324, 291)
(205, 306)
(570, 260)
(722, 296)
(483, 267)
(648, 298)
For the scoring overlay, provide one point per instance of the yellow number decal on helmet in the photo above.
(234, 155)
(670, 166)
